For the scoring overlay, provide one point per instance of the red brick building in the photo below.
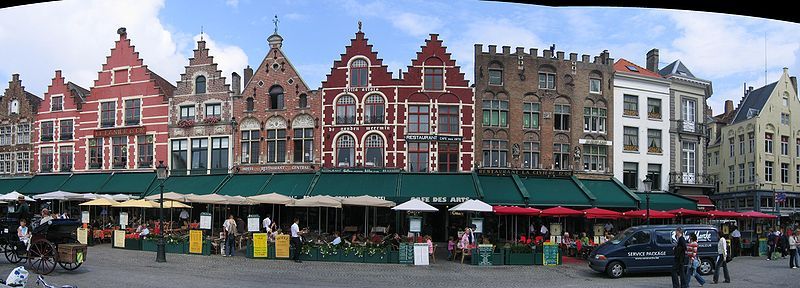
(57, 121)
(422, 122)
(124, 119)
(278, 117)
(17, 115)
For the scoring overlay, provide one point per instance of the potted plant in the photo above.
(132, 242)
(520, 254)
(175, 243)
(329, 252)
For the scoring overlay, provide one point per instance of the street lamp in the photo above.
(648, 184)
(161, 174)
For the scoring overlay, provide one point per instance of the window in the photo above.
(630, 175)
(180, 154)
(46, 159)
(250, 105)
(664, 237)
(448, 119)
(768, 171)
(276, 145)
(434, 79)
(630, 105)
(716, 157)
(785, 145)
(448, 157)
(797, 148)
(418, 156)
(654, 170)
(495, 153)
(13, 107)
(741, 173)
(250, 146)
(120, 76)
(785, 119)
(359, 73)
(640, 238)
(731, 148)
(108, 114)
(630, 138)
(374, 151)
(346, 110)
(57, 103)
(689, 112)
(731, 175)
(752, 138)
(219, 153)
(418, 119)
(200, 153)
(530, 155)
(594, 85)
(303, 145)
(276, 97)
(594, 158)
(132, 111)
(688, 157)
(5, 135)
(594, 120)
(561, 156)
(65, 158)
(373, 110)
(214, 110)
(785, 101)
(24, 133)
(530, 115)
(144, 150)
(654, 141)
(752, 167)
(653, 108)
(797, 174)
(119, 151)
(768, 142)
(24, 162)
(47, 131)
(65, 129)
(345, 151)
(784, 172)
(6, 163)
(96, 153)
(741, 144)
(547, 80)
(200, 85)
(561, 121)
(495, 113)
(496, 77)
(303, 103)
(187, 112)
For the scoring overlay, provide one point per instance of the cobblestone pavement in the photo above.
(107, 267)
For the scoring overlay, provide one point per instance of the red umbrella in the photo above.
(754, 214)
(682, 212)
(560, 212)
(598, 213)
(724, 214)
(654, 214)
(515, 210)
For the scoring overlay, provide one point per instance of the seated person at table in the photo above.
(375, 238)
(145, 231)
(45, 216)
(585, 239)
(337, 240)
(355, 239)
(464, 243)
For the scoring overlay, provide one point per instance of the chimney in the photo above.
(728, 106)
(248, 73)
(237, 84)
(652, 60)
(400, 73)
(793, 79)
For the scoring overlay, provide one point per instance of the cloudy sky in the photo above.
(75, 36)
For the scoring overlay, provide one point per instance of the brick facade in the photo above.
(515, 88)
(17, 115)
(59, 112)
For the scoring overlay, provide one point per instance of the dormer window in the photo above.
(496, 77)
(57, 103)
(594, 85)
(200, 85)
(434, 79)
(359, 73)
(276, 97)
(13, 107)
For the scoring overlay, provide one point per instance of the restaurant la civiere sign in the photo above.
(125, 131)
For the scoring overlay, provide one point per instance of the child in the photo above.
(451, 247)
(430, 244)
(24, 233)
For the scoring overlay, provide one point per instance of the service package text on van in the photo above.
(647, 253)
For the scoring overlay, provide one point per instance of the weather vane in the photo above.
(201, 32)
(275, 21)
(359, 25)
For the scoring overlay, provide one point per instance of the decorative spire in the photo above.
(276, 21)
(359, 25)
(201, 32)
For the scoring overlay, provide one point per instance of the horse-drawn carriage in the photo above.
(51, 243)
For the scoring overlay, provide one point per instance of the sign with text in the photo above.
(119, 238)
(125, 131)
(550, 255)
(253, 223)
(555, 229)
(478, 222)
(85, 217)
(196, 242)
(123, 219)
(599, 230)
(437, 138)
(528, 172)
(360, 170)
(259, 245)
(205, 220)
(282, 246)
(83, 236)
(421, 254)
(273, 168)
(406, 255)
(485, 254)
(443, 199)
(415, 224)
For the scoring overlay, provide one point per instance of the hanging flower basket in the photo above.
(186, 123)
(211, 120)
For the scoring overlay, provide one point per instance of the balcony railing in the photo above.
(691, 179)
(345, 120)
(374, 119)
(691, 127)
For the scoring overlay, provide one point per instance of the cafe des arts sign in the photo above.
(442, 200)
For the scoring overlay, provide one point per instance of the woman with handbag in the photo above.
(691, 252)
(792, 249)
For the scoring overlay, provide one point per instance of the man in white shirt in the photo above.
(144, 231)
(296, 243)
(266, 223)
(230, 235)
(608, 227)
(532, 230)
(337, 240)
(543, 231)
(722, 254)
(184, 214)
(736, 237)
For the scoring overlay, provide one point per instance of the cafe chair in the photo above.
(466, 252)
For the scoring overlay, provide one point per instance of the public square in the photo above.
(107, 267)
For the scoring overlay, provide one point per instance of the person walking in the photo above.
(722, 256)
(297, 244)
(736, 242)
(785, 242)
(691, 252)
(679, 265)
(771, 239)
(792, 249)
(230, 235)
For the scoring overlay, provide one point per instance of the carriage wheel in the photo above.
(42, 257)
(12, 251)
(66, 265)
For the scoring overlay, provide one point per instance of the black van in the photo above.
(649, 249)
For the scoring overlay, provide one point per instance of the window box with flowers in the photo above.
(186, 123)
(329, 252)
(654, 115)
(654, 149)
(376, 253)
(520, 254)
(132, 242)
(633, 148)
(211, 120)
(353, 253)
(309, 252)
(632, 113)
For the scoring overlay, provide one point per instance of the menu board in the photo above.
(123, 219)
(196, 242)
(415, 224)
(599, 230)
(85, 217)
(406, 253)
(119, 238)
(550, 254)
(282, 246)
(555, 229)
(83, 236)
(253, 223)
(205, 220)
(259, 245)
(485, 254)
(421, 254)
(478, 222)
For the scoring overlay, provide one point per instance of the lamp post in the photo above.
(161, 173)
(648, 184)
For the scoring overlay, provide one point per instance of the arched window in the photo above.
(276, 97)
(346, 110)
(374, 151)
(200, 85)
(345, 151)
(250, 104)
(373, 112)
(359, 73)
(303, 101)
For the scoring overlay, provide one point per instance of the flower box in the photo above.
(149, 245)
(521, 258)
(331, 257)
(378, 257)
(394, 257)
(498, 258)
(133, 244)
(310, 254)
(351, 255)
(538, 259)
(176, 248)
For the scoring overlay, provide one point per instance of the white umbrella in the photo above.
(318, 201)
(58, 195)
(367, 201)
(121, 197)
(168, 196)
(415, 205)
(208, 199)
(238, 200)
(271, 198)
(14, 195)
(472, 206)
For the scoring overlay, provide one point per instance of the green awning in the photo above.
(85, 183)
(357, 184)
(44, 183)
(609, 194)
(289, 184)
(244, 185)
(555, 192)
(128, 183)
(190, 184)
(666, 201)
(8, 185)
(444, 189)
(500, 190)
